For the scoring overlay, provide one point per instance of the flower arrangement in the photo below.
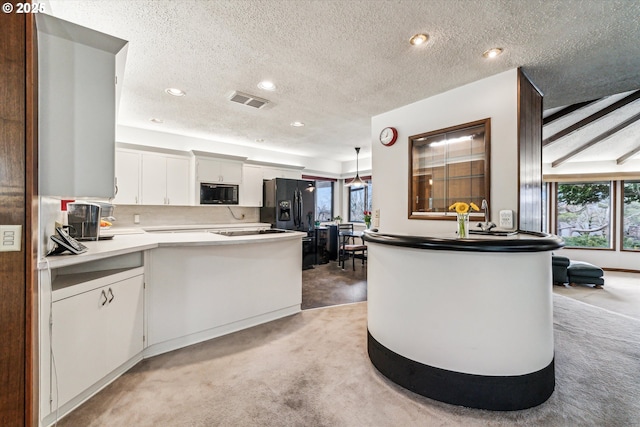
(462, 210)
(367, 218)
(337, 219)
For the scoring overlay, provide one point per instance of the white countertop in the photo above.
(140, 240)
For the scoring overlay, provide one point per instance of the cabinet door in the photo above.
(177, 181)
(79, 342)
(125, 331)
(208, 170)
(251, 188)
(127, 178)
(154, 179)
(76, 109)
(212, 170)
(231, 172)
(271, 173)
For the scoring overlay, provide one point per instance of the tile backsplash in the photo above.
(182, 215)
(150, 216)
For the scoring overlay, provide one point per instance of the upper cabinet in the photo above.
(158, 177)
(128, 168)
(281, 172)
(77, 78)
(209, 170)
(251, 189)
(212, 168)
(165, 180)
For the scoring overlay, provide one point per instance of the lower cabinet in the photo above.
(95, 331)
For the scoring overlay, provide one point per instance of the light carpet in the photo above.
(312, 369)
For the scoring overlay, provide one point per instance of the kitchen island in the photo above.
(145, 293)
(464, 321)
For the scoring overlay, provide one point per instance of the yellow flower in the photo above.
(462, 207)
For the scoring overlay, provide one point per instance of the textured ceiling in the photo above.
(337, 63)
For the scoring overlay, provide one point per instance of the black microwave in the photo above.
(218, 194)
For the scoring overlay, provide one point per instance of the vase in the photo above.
(368, 224)
(463, 225)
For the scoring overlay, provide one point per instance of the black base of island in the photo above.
(496, 393)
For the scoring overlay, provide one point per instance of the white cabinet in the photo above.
(270, 173)
(251, 188)
(95, 330)
(215, 170)
(198, 292)
(127, 178)
(76, 109)
(165, 180)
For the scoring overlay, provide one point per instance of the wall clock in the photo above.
(388, 136)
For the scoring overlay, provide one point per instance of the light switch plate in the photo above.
(10, 238)
(376, 218)
(506, 219)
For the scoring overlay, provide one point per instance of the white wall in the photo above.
(153, 138)
(494, 97)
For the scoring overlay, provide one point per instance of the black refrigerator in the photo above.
(289, 204)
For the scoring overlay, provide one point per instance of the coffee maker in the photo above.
(84, 219)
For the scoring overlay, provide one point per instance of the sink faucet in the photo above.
(487, 225)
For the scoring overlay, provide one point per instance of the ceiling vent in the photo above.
(246, 99)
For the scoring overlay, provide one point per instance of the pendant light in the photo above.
(357, 181)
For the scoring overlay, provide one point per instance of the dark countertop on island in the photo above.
(523, 241)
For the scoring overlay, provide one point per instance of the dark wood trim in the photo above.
(596, 140)
(13, 265)
(32, 391)
(487, 169)
(592, 118)
(529, 215)
(567, 110)
(621, 270)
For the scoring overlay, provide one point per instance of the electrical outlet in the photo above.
(376, 218)
(506, 219)
(136, 219)
(10, 238)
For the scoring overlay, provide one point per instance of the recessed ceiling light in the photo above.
(418, 39)
(492, 53)
(175, 92)
(259, 140)
(297, 124)
(267, 85)
(154, 120)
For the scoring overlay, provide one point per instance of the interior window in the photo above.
(448, 166)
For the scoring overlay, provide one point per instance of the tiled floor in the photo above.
(328, 284)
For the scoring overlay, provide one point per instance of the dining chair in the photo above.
(348, 246)
(353, 249)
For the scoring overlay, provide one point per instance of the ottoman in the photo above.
(581, 272)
